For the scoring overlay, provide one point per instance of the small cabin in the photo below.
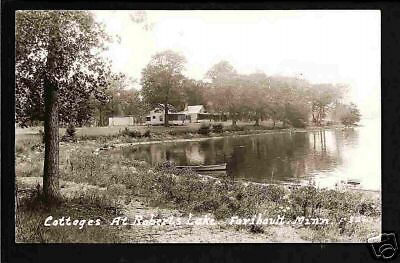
(120, 121)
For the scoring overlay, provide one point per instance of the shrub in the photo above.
(38, 147)
(70, 131)
(298, 123)
(133, 133)
(235, 128)
(204, 129)
(70, 134)
(275, 193)
(306, 200)
(178, 132)
(218, 128)
(296, 116)
(256, 229)
(351, 115)
(147, 134)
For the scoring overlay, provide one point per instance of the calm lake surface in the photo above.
(324, 157)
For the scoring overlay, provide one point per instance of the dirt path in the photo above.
(221, 232)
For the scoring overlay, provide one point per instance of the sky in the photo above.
(323, 46)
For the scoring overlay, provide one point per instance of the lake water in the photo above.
(324, 157)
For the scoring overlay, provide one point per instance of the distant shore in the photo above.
(198, 137)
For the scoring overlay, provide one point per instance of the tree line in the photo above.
(91, 93)
(254, 97)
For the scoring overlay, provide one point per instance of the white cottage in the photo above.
(157, 116)
(191, 114)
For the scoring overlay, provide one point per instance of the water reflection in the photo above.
(326, 157)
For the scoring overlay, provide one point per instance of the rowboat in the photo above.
(352, 182)
(212, 167)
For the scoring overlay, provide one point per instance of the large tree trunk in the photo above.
(51, 187)
(100, 124)
(319, 118)
(166, 115)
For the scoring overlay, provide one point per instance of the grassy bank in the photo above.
(124, 180)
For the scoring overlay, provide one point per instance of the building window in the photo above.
(154, 117)
(161, 118)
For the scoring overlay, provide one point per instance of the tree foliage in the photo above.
(258, 97)
(323, 98)
(162, 80)
(349, 114)
(194, 92)
(221, 73)
(80, 71)
(121, 100)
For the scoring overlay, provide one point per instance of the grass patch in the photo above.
(32, 211)
(25, 144)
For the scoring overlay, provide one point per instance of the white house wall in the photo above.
(120, 121)
(155, 118)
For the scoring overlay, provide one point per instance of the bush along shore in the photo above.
(103, 184)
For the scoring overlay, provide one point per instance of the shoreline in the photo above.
(179, 139)
(292, 186)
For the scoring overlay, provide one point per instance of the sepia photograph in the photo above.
(197, 126)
